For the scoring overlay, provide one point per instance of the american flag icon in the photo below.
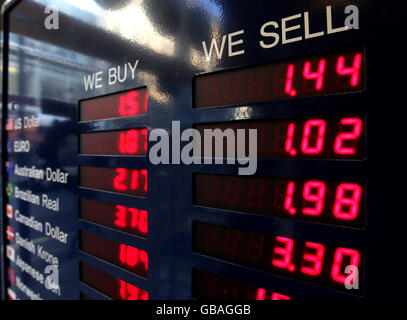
(9, 124)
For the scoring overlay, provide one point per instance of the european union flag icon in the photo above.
(10, 146)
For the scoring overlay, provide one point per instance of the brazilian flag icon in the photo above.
(10, 190)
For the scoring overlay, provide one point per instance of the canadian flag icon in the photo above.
(10, 211)
(10, 233)
(11, 254)
(11, 294)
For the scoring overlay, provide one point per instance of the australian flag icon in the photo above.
(9, 167)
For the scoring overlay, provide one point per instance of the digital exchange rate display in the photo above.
(125, 256)
(338, 202)
(113, 287)
(122, 142)
(312, 109)
(322, 137)
(333, 73)
(118, 180)
(122, 104)
(318, 200)
(304, 260)
(207, 285)
(119, 217)
(121, 181)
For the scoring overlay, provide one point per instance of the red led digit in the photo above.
(122, 290)
(289, 82)
(346, 136)
(232, 88)
(120, 217)
(145, 102)
(315, 258)
(231, 244)
(143, 295)
(130, 292)
(318, 197)
(347, 208)
(144, 174)
(210, 188)
(278, 296)
(119, 179)
(132, 141)
(317, 76)
(139, 220)
(285, 254)
(136, 179)
(133, 292)
(135, 176)
(231, 193)
(255, 246)
(123, 143)
(305, 145)
(144, 259)
(256, 192)
(353, 71)
(129, 104)
(134, 217)
(133, 103)
(337, 267)
(289, 198)
(256, 84)
(132, 256)
(261, 294)
(143, 224)
(128, 255)
(123, 253)
(289, 140)
(144, 132)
